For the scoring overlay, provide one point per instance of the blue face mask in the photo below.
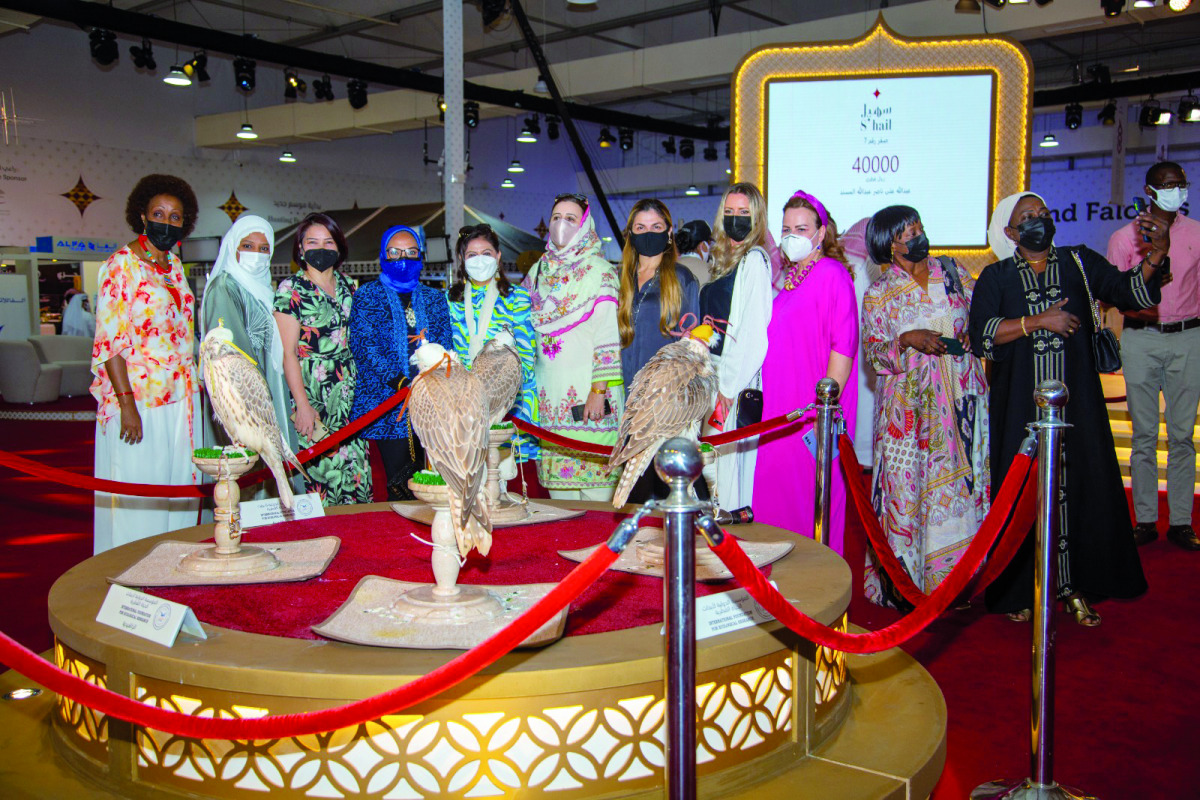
(402, 275)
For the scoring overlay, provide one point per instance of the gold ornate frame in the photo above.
(881, 52)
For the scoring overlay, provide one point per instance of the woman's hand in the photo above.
(593, 407)
(306, 420)
(924, 341)
(131, 421)
(1056, 319)
(964, 339)
(723, 405)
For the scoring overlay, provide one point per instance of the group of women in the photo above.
(331, 352)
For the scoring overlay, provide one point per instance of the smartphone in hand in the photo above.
(577, 411)
(953, 346)
(1141, 207)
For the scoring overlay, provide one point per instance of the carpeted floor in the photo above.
(1126, 697)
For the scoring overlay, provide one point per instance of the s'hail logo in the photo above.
(876, 116)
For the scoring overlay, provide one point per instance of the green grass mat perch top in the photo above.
(217, 452)
(428, 477)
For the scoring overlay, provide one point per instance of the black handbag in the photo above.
(1105, 350)
(749, 407)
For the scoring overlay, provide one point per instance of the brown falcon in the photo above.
(449, 413)
(242, 403)
(670, 396)
(498, 367)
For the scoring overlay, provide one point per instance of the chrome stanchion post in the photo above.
(1051, 398)
(678, 464)
(828, 393)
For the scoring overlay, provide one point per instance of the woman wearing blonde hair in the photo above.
(655, 294)
(738, 296)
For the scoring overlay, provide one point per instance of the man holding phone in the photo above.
(1160, 351)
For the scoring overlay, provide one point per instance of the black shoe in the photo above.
(1145, 533)
(1184, 536)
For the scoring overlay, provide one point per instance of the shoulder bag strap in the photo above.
(1091, 300)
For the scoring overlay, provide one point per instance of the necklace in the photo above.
(163, 272)
(796, 275)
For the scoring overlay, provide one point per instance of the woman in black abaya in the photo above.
(1030, 316)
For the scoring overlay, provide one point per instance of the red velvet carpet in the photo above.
(1126, 695)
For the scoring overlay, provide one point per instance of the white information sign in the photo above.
(14, 307)
(728, 611)
(863, 144)
(267, 512)
(147, 616)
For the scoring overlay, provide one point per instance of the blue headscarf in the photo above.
(402, 274)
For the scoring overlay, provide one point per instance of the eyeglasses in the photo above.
(1172, 185)
(574, 197)
(395, 253)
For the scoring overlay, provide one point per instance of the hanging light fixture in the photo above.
(691, 191)
(246, 131)
(515, 166)
(177, 77)
(967, 7)
(526, 136)
(1049, 140)
(287, 157)
(1108, 114)
(507, 183)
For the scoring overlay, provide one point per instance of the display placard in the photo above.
(147, 616)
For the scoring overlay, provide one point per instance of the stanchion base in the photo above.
(1027, 790)
(246, 561)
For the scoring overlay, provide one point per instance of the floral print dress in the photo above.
(342, 476)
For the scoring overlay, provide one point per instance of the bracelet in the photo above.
(1023, 331)
(594, 390)
(122, 394)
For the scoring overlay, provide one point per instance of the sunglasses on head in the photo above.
(574, 197)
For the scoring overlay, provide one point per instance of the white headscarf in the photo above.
(76, 320)
(258, 284)
(1001, 245)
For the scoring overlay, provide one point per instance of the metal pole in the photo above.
(828, 392)
(1051, 398)
(454, 171)
(678, 464)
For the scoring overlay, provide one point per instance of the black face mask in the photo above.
(737, 228)
(162, 235)
(321, 260)
(1036, 234)
(918, 249)
(650, 243)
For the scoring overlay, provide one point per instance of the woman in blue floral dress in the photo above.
(312, 309)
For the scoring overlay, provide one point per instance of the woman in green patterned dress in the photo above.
(312, 308)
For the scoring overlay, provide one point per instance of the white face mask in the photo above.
(1170, 200)
(254, 263)
(481, 268)
(562, 231)
(796, 248)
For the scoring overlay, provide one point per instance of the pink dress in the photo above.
(807, 323)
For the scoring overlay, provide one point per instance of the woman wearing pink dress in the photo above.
(813, 335)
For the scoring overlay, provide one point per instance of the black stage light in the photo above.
(292, 84)
(1099, 73)
(471, 114)
(710, 152)
(669, 146)
(243, 73)
(1074, 114)
(606, 138)
(323, 88)
(967, 7)
(533, 125)
(995, 3)
(1043, 2)
(198, 67)
(493, 12)
(1108, 114)
(687, 148)
(143, 57)
(1151, 111)
(104, 46)
(1189, 109)
(552, 128)
(1112, 8)
(356, 93)
(626, 138)
(1179, 6)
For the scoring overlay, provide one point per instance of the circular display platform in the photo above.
(582, 717)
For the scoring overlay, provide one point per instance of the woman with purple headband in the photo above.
(813, 335)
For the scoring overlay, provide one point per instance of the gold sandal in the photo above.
(1084, 614)
(1024, 615)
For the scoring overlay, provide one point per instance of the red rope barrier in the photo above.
(732, 555)
(284, 726)
(74, 479)
(715, 440)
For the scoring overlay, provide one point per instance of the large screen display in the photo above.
(860, 145)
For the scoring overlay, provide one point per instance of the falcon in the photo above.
(669, 397)
(449, 412)
(242, 404)
(498, 367)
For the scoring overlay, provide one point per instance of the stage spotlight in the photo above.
(471, 114)
(687, 148)
(515, 166)
(177, 77)
(692, 191)
(1043, 2)
(1150, 113)
(1165, 115)
(198, 67)
(143, 57)
(1179, 5)
(287, 157)
(323, 88)
(356, 93)
(1049, 140)
(1112, 8)
(552, 128)
(1108, 114)
(243, 73)
(246, 131)
(1143, 3)
(293, 84)
(626, 138)
(534, 124)
(967, 7)
(493, 12)
(995, 3)
(1189, 109)
(668, 146)
(1074, 115)
(710, 152)
(605, 139)
(1099, 73)
(104, 46)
